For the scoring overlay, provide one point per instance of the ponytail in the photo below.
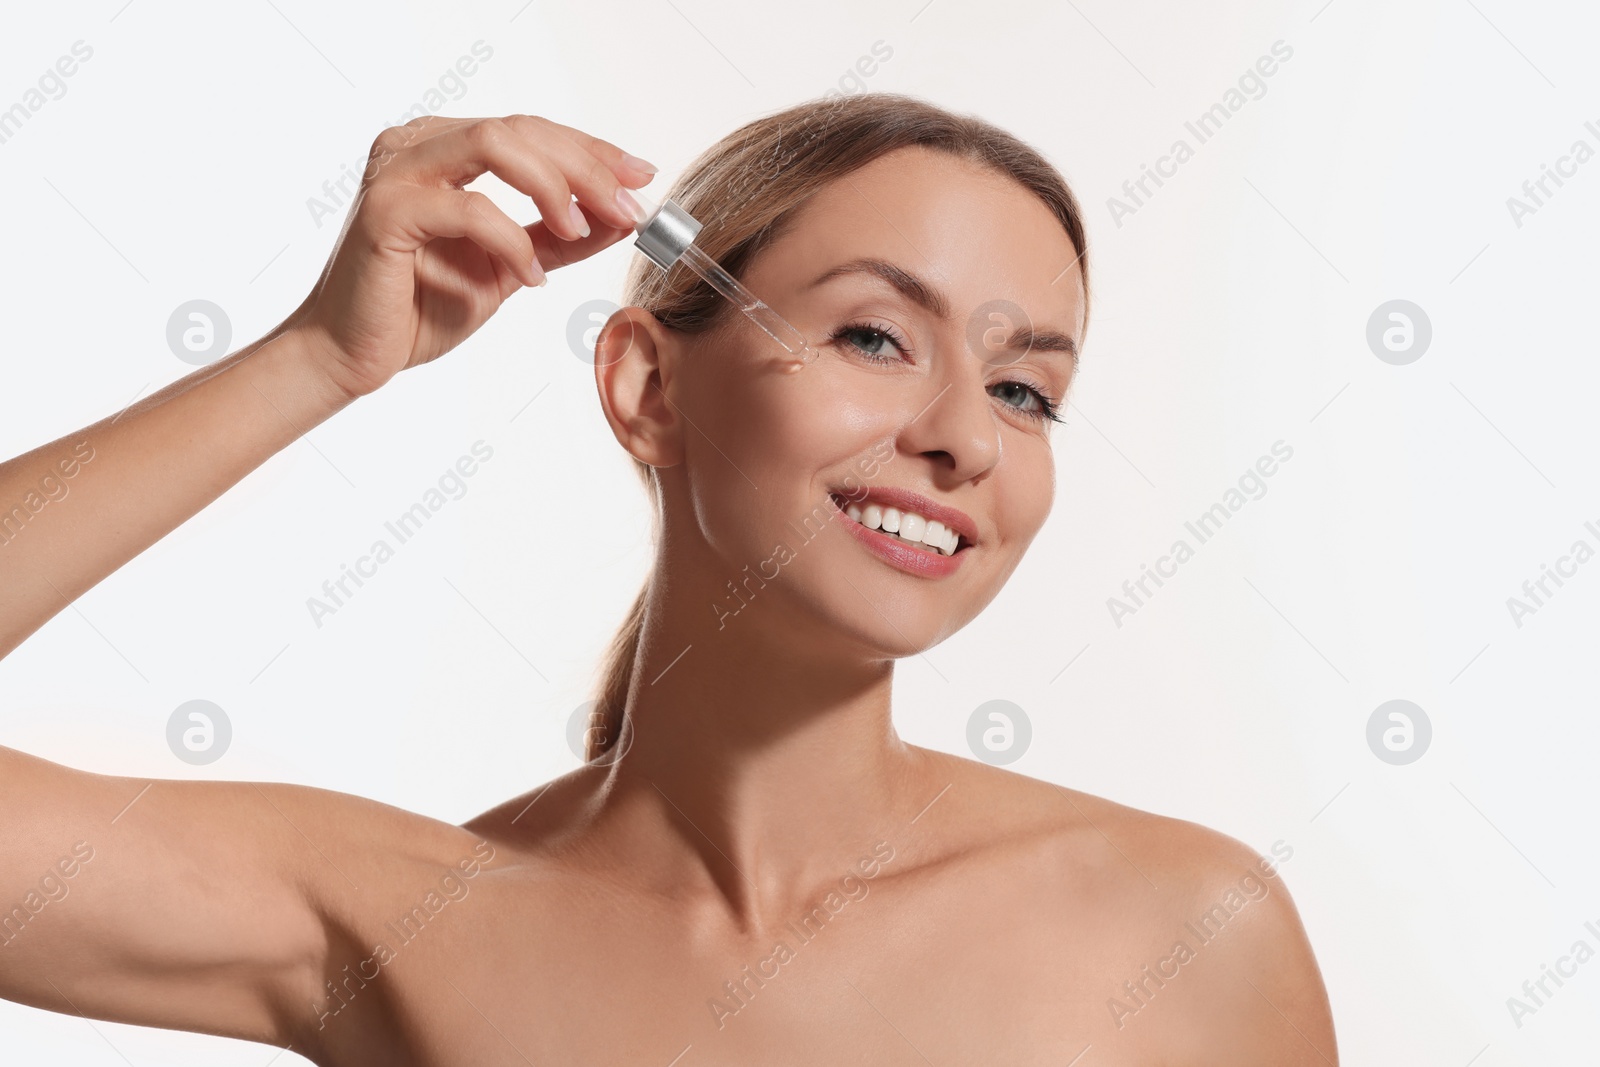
(616, 674)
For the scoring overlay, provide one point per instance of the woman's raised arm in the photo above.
(74, 510)
(212, 906)
(420, 265)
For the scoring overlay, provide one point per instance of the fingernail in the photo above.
(578, 220)
(539, 276)
(635, 163)
(629, 205)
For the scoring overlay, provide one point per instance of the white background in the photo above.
(1231, 312)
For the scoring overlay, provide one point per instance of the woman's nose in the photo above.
(956, 423)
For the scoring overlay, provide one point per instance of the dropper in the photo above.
(666, 236)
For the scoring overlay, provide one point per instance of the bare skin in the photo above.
(633, 910)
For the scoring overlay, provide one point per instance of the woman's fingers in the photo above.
(555, 252)
(429, 213)
(633, 170)
(595, 184)
(528, 251)
(392, 297)
(538, 158)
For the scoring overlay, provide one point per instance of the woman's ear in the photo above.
(634, 357)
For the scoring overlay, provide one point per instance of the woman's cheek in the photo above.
(837, 415)
(1025, 493)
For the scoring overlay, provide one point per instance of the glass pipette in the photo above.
(666, 236)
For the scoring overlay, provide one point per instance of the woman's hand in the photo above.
(419, 266)
(422, 262)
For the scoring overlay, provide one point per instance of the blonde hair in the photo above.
(746, 189)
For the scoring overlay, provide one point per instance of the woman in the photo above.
(752, 868)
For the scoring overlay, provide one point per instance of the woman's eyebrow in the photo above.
(908, 284)
(1025, 338)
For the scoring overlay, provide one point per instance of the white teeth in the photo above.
(908, 526)
(912, 526)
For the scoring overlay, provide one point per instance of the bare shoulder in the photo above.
(1120, 843)
(376, 876)
(1160, 896)
(375, 838)
(543, 812)
(358, 857)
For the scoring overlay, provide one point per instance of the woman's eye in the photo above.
(1035, 405)
(867, 339)
(877, 344)
(1022, 394)
(874, 345)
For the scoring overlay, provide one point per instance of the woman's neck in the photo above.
(755, 760)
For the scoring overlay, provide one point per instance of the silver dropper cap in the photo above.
(666, 233)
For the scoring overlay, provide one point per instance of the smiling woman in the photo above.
(838, 150)
(939, 267)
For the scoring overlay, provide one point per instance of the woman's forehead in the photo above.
(973, 233)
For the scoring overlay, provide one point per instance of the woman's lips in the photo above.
(918, 561)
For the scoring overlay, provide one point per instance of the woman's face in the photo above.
(907, 277)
